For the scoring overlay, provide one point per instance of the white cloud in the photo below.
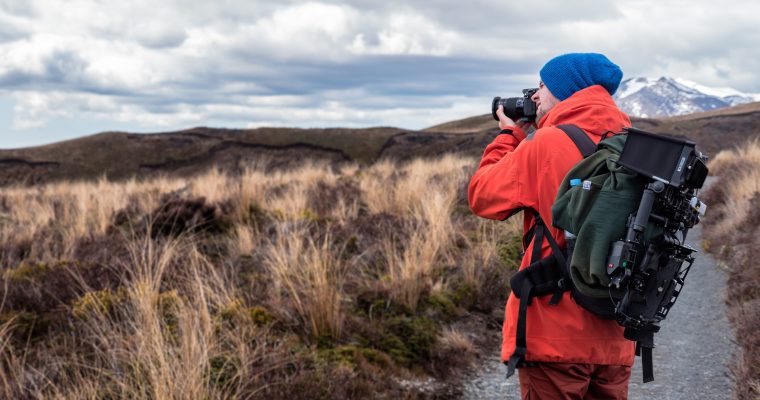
(411, 34)
(294, 24)
(173, 63)
(35, 109)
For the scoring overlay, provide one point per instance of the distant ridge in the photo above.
(467, 125)
(121, 155)
(748, 108)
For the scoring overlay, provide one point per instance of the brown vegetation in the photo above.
(732, 234)
(119, 155)
(314, 282)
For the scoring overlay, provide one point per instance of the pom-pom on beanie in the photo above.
(569, 73)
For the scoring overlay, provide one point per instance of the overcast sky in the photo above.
(70, 68)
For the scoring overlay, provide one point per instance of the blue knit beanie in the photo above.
(569, 73)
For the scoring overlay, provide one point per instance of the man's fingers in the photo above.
(500, 112)
(504, 121)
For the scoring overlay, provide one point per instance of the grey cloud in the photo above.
(496, 49)
(506, 20)
(10, 33)
(377, 75)
(22, 8)
(160, 38)
(11, 15)
(65, 67)
(373, 86)
(60, 67)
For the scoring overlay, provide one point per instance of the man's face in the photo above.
(544, 100)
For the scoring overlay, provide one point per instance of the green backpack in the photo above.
(593, 204)
(623, 259)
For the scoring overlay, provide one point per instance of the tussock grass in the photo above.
(309, 275)
(740, 169)
(55, 216)
(144, 342)
(746, 154)
(412, 270)
(388, 188)
(457, 341)
(244, 241)
(485, 245)
(314, 282)
(731, 233)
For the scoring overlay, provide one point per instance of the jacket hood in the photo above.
(591, 109)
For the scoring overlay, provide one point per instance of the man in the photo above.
(571, 353)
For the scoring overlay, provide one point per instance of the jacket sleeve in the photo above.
(506, 177)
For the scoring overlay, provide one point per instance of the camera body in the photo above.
(516, 108)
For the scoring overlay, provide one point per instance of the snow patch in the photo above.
(667, 96)
(634, 85)
(712, 91)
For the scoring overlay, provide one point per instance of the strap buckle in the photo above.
(557, 296)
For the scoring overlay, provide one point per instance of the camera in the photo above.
(651, 271)
(516, 108)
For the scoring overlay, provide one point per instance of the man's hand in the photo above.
(504, 121)
(507, 123)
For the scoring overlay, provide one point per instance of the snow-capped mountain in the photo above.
(645, 97)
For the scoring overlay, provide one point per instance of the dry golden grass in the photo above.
(393, 189)
(730, 234)
(191, 316)
(146, 343)
(310, 275)
(748, 153)
(244, 241)
(456, 341)
(484, 248)
(412, 267)
(740, 185)
(11, 365)
(425, 190)
(68, 212)
(85, 209)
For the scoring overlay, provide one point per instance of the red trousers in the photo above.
(561, 381)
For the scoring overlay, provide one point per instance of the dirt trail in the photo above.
(694, 347)
(696, 343)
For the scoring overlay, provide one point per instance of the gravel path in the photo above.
(694, 346)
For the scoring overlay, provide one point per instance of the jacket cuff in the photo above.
(518, 133)
(514, 131)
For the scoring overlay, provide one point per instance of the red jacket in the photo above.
(515, 174)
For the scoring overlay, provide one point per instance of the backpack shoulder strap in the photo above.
(547, 275)
(579, 137)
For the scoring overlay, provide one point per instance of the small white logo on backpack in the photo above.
(586, 185)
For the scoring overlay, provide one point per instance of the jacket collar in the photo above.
(591, 109)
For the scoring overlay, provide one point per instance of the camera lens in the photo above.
(515, 108)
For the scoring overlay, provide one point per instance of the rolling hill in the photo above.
(120, 155)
